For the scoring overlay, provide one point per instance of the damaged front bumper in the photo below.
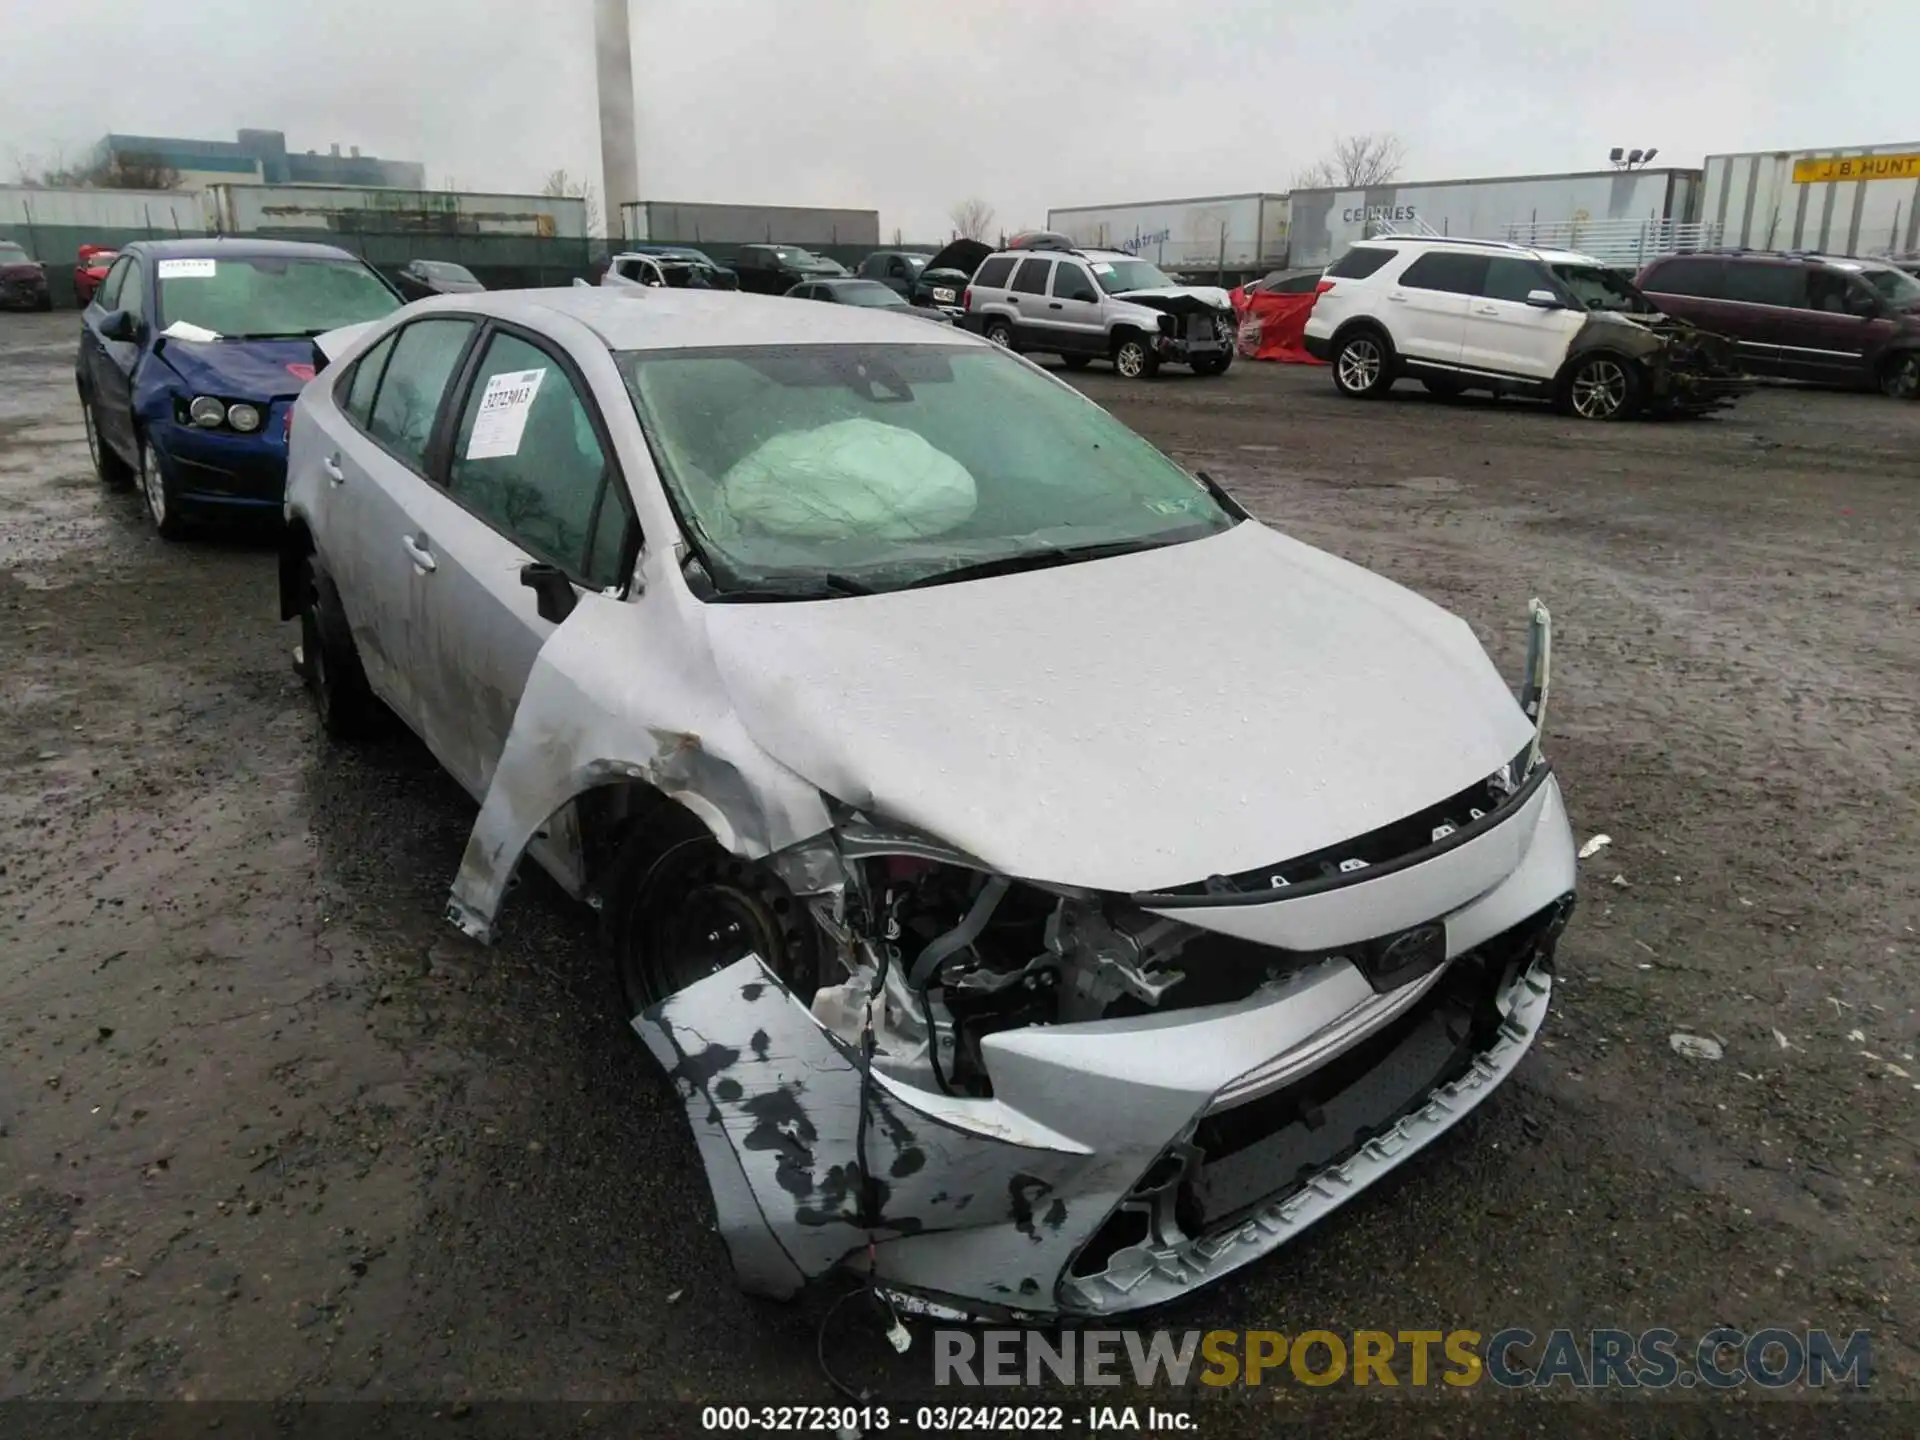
(1118, 1163)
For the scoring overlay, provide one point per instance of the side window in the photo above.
(1032, 277)
(1509, 279)
(1688, 275)
(897, 268)
(133, 291)
(1070, 279)
(1827, 290)
(424, 355)
(1766, 283)
(109, 295)
(527, 460)
(1358, 263)
(1446, 270)
(993, 273)
(365, 380)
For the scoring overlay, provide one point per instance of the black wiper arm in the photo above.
(1032, 560)
(825, 587)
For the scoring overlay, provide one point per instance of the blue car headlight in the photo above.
(244, 418)
(207, 412)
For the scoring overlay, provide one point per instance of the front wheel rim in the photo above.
(1599, 390)
(1904, 379)
(1130, 361)
(155, 487)
(1360, 365)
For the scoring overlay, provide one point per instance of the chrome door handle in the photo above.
(1486, 310)
(1398, 299)
(422, 557)
(334, 473)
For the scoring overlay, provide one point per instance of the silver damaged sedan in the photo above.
(1025, 863)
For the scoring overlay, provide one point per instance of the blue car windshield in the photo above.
(262, 297)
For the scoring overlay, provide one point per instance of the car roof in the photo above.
(664, 318)
(1462, 245)
(238, 247)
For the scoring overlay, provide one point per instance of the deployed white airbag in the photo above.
(849, 480)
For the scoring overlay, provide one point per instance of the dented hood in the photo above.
(239, 369)
(1128, 723)
(1180, 299)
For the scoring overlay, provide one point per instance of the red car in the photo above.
(90, 269)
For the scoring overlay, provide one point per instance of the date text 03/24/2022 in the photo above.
(945, 1419)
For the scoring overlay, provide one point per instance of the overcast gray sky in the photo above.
(908, 106)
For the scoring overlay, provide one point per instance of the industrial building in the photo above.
(308, 210)
(255, 156)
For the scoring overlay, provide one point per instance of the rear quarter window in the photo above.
(993, 274)
(1358, 263)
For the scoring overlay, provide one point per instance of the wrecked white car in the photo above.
(1036, 874)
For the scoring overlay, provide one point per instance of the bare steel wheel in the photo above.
(680, 908)
(1363, 368)
(1603, 387)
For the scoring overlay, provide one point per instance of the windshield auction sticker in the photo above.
(503, 414)
(187, 269)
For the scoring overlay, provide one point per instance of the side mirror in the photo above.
(122, 325)
(552, 589)
(1086, 295)
(1863, 306)
(1544, 300)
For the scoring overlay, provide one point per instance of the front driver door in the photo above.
(113, 376)
(1074, 306)
(528, 478)
(1507, 336)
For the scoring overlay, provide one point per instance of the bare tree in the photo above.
(562, 186)
(972, 218)
(1356, 162)
(116, 171)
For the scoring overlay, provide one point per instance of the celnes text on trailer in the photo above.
(1236, 233)
(1849, 200)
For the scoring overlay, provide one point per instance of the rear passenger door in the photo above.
(1074, 308)
(528, 476)
(379, 493)
(1761, 305)
(1504, 335)
(1027, 293)
(1426, 306)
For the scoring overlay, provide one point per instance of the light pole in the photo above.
(619, 147)
(1630, 159)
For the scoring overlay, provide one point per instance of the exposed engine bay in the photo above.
(950, 955)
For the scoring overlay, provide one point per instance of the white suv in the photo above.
(1084, 305)
(1488, 315)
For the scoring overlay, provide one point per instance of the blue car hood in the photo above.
(240, 369)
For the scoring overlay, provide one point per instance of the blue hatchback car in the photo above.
(191, 356)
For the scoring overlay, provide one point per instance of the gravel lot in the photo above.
(270, 1128)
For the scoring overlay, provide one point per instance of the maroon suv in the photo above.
(23, 280)
(1829, 319)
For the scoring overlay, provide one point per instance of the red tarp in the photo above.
(1273, 327)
